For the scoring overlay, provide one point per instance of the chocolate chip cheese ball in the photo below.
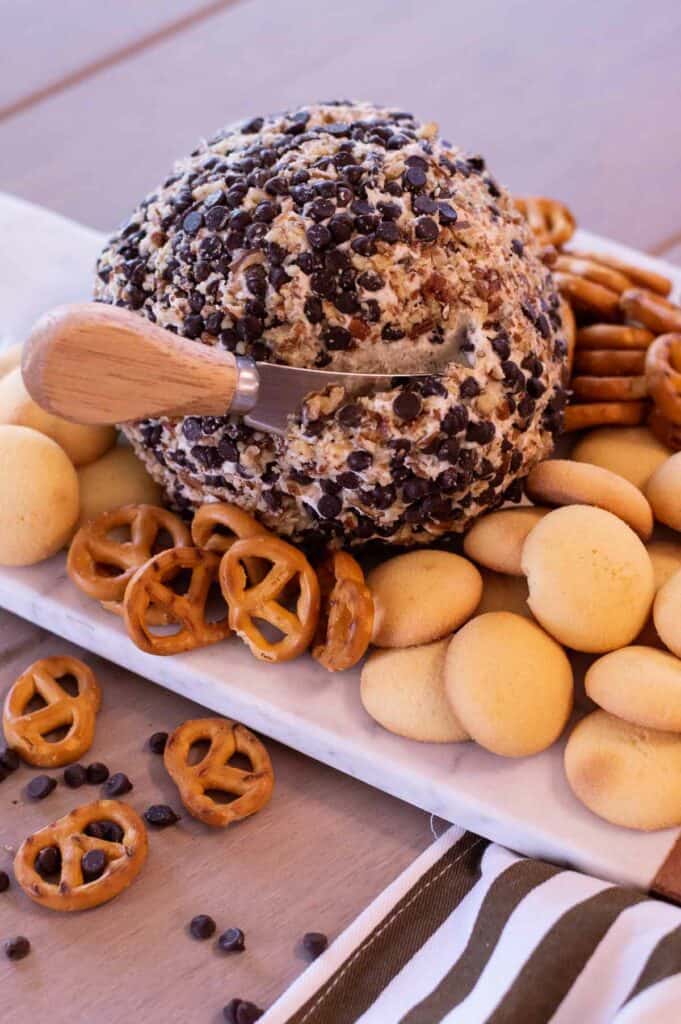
(349, 237)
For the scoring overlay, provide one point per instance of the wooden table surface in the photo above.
(569, 99)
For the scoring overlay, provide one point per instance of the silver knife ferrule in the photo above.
(247, 386)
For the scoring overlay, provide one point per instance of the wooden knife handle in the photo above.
(95, 363)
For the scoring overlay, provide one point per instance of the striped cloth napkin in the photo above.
(473, 933)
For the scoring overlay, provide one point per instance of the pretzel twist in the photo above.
(587, 296)
(614, 336)
(252, 788)
(609, 389)
(124, 860)
(25, 731)
(261, 601)
(347, 613)
(102, 566)
(610, 363)
(150, 586)
(600, 414)
(658, 314)
(663, 374)
(666, 432)
(640, 276)
(207, 536)
(549, 221)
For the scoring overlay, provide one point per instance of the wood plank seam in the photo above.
(108, 60)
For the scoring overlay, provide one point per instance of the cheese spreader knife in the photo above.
(96, 363)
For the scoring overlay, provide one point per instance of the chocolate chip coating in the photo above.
(352, 237)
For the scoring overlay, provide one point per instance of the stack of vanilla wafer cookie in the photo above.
(626, 333)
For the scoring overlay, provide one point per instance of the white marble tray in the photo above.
(525, 804)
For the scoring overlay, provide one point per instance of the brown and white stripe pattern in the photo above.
(472, 933)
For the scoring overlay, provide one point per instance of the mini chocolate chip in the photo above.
(319, 236)
(426, 229)
(109, 830)
(371, 281)
(449, 451)
(517, 246)
(390, 332)
(415, 489)
(192, 222)
(341, 227)
(437, 508)
(321, 209)
(535, 387)
(347, 302)
(232, 941)
(48, 861)
(313, 309)
(75, 775)
(407, 405)
(337, 338)
(161, 816)
(424, 204)
(363, 245)
(117, 785)
(526, 407)
(388, 231)
(239, 1011)
(40, 787)
(249, 328)
(359, 460)
(93, 865)
(448, 214)
(350, 415)
(469, 388)
(415, 177)
(349, 481)
(97, 773)
(389, 210)
(501, 346)
(17, 948)
(157, 742)
(193, 326)
(216, 217)
(252, 126)
(256, 279)
(329, 505)
(202, 926)
(481, 432)
(4, 881)
(278, 278)
(542, 325)
(9, 759)
(314, 943)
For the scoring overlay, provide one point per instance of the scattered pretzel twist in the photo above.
(261, 601)
(25, 731)
(663, 374)
(151, 586)
(347, 613)
(213, 772)
(549, 221)
(124, 860)
(102, 566)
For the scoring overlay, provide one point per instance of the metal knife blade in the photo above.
(281, 389)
